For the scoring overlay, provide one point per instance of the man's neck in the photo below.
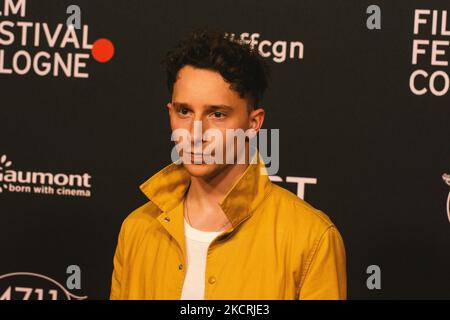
(215, 188)
(205, 194)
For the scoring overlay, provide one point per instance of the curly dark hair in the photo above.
(237, 62)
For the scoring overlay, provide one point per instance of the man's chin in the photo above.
(203, 170)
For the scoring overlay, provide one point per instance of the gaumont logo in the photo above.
(33, 286)
(46, 49)
(446, 178)
(59, 184)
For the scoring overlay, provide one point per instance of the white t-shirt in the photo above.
(197, 243)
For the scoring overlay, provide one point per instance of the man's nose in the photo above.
(197, 130)
(199, 125)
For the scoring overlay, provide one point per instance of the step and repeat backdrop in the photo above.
(359, 91)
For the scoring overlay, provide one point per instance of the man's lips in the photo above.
(198, 157)
(199, 154)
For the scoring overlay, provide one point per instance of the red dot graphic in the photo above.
(103, 50)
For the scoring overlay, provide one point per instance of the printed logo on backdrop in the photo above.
(34, 286)
(430, 53)
(446, 178)
(300, 181)
(47, 50)
(45, 183)
(279, 50)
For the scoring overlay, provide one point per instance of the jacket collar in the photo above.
(167, 188)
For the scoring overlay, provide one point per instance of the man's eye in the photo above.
(184, 111)
(218, 114)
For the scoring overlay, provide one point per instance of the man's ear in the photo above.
(257, 118)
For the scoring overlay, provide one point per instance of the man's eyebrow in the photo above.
(219, 107)
(209, 106)
(178, 104)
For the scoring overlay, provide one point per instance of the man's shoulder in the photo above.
(143, 216)
(298, 213)
(302, 224)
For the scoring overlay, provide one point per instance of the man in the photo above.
(220, 230)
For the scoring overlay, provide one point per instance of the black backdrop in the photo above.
(346, 115)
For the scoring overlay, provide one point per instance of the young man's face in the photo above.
(203, 95)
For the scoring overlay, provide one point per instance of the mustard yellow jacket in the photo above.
(279, 247)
